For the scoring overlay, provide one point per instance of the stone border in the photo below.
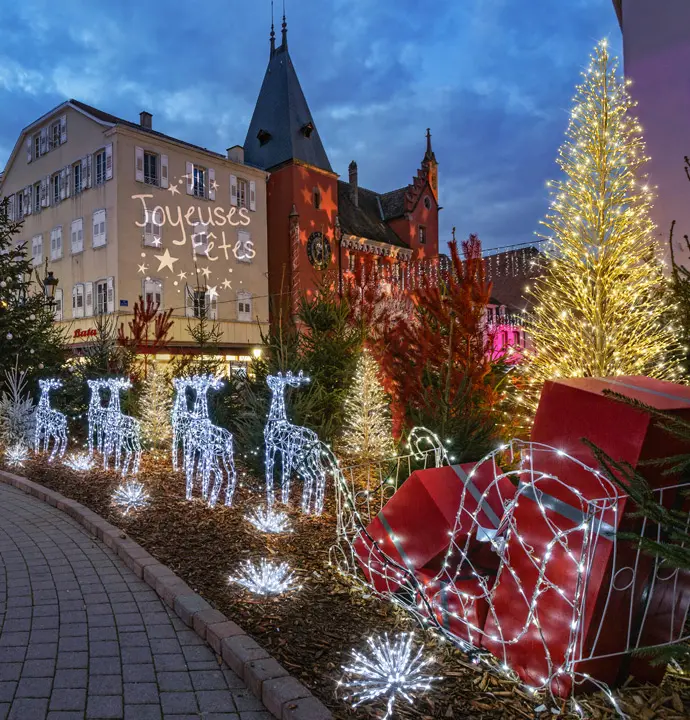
(283, 695)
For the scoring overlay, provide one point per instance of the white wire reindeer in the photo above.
(97, 414)
(208, 449)
(50, 424)
(299, 448)
(181, 419)
(122, 432)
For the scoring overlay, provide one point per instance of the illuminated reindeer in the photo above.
(49, 423)
(96, 415)
(181, 419)
(298, 446)
(122, 432)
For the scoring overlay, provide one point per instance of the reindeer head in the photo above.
(279, 381)
(205, 382)
(49, 384)
(117, 384)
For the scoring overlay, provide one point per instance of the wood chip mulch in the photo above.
(312, 632)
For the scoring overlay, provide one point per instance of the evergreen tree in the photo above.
(599, 304)
(367, 431)
(27, 327)
(156, 405)
(16, 408)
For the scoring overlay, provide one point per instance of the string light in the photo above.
(16, 455)
(122, 433)
(81, 462)
(266, 578)
(389, 671)
(50, 424)
(299, 448)
(129, 496)
(269, 520)
(96, 415)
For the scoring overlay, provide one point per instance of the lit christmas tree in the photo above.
(156, 406)
(367, 432)
(601, 305)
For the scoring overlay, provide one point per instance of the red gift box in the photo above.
(414, 528)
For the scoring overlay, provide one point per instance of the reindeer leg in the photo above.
(270, 460)
(229, 459)
(285, 476)
(306, 472)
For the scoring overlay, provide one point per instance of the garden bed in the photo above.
(310, 631)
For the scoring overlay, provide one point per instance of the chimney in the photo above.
(354, 192)
(145, 119)
(236, 154)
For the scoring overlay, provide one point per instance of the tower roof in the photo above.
(282, 127)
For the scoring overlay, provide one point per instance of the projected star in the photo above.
(182, 275)
(227, 285)
(166, 260)
(205, 272)
(214, 185)
(143, 268)
(173, 189)
(212, 292)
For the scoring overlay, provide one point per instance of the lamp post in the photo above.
(48, 285)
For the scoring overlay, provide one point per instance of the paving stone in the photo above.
(276, 692)
(139, 693)
(34, 687)
(178, 702)
(70, 678)
(105, 685)
(309, 708)
(8, 689)
(257, 671)
(138, 673)
(104, 706)
(143, 712)
(68, 699)
(208, 680)
(26, 708)
(174, 681)
(215, 701)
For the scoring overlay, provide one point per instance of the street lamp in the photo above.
(48, 285)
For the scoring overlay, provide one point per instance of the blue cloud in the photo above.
(492, 78)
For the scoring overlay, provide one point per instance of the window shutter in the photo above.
(156, 227)
(68, 180)
(111, 294)
(44, 192)
(164, 171)
(139, 164)
(58, 304)
(27, 200)
(211, 307)
(29, 148)
(86, 171)
(63, 129)
(252, 195)
(58, 240)
(74, 301)
(63, 184)
(211, 184)
(233, 189)
(44, 141)
(99, 228)
(189, 167)
(109, 161)
(88, 299)
(77, 236)
(188, 301)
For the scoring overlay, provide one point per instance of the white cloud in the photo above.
(17, 78)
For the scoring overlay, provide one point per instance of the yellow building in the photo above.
(120, 211)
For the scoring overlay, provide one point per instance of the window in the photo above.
(57, 307)
(99, 229)
(151, 168)
(198, 298)
(77, 236)
(422, 235)
(37, 249)
(76, 176)
(317, 198)
(56, 243)
(99, 162)
(153, 292)
(55, 185)
(199, 239)
(78, 300)
(37, 146)
(37, 197)
(351, 261)
(199, 183)
(20, 205)
(242, 193)
(153, 227)
(427, 203)
(244, 248)
(244, 306)
(54, 136)
(101, 306)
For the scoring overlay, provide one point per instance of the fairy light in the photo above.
(50, 424)
(299, 448)
(392, 669)
(266, 578)
(599, 310)
(269, 520)
(81, 462)
(130, 496)
(96, 415)
(121, 433)
(16, 455)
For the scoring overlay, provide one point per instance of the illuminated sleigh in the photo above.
(520, 568)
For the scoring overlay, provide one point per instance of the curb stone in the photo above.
(285, 697)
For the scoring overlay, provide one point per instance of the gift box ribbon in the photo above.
(658, 393)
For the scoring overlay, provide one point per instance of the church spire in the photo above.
(273, 33)
(283, 45)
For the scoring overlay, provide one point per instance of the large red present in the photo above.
(415, 527)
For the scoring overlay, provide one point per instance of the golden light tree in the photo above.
(601, 304)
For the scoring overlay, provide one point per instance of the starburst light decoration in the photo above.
(391, 670)
(269, 520)
(16, 455)
(122, 433)
(81, 462)
(299, 448)
(130, 496)
(266, 578)
(50, 424)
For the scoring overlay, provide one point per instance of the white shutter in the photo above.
(45, 201)
(252, 194)
(58, 304)
(56, 243)
(63, 184)
(88, 299)
(189, 167)
(100, 228)
(244, 306)
(111, 294)
(69, 180)
(77, 236)
(44, 140)
(37, 249)
(164, 171)
(188, 301)
(211, 306)
(211, 184)
(86, 176)
(28, 206)
(157, 227)
(78, 301)
(139, 164)
(233, 189)
(63, 129)
(29, 148)
(109, 161)
(199, 239)
(10, 208)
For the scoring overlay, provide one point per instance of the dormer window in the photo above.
(263, 136)
(307, 129)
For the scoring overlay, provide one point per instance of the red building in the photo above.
(316, 221)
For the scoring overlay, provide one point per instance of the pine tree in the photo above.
(599, 305)
(156, 405)
(367, 432)
(27, 327)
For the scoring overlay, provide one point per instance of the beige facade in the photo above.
(121, 211)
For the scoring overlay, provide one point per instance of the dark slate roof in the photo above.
(393, 203)
(107, 117)
(282, 110)
(365, 219)
(509, 273)
(618, 6)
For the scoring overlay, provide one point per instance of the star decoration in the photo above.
(214, 185)
(227, 285)
(205, 272)
(174, 190)
(143, 268)
(182, 275)
(156, 242)
(212, 292)
(166, 260)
